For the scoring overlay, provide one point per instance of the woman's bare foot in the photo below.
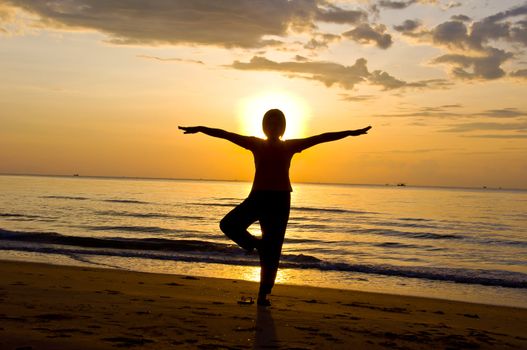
(263, 300)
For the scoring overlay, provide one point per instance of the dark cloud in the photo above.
(335, 14)
(328, 73)
(486, 126)
(234, 23)
(442, 111)
(170, 59)
(486, 66)
(399, 5)
(472, 45)
(365, 34)
(430, 83)
(385, 80)
(449, 111)
(410, 25)
(410, 151)
(461, 18)
(494, 27)
(477, 36)
(395, 5)
(504, 113)
(521, 73)
(498, 136)
(331, 73)
(451, 33)
(321, 40)
(299, 58)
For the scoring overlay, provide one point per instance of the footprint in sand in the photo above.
(128, 341)
(174, 284)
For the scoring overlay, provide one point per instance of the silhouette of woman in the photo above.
(270, 196)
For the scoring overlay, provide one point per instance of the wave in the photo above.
(213, 252)
(216, 204)
(111, 200)
(149, 229)
(148, 215)
(405, 223)
(406, 234)
(308, 209)
(16, 215)
(66, 197)
(415, 219)
(438, 236)
(26, 217)
(332, 210)
(498, 278)
(161, 244)
(127, 201)
(399, 245)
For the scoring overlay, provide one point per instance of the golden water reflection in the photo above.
(252, 273)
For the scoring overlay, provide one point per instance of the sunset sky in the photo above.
(99, 87)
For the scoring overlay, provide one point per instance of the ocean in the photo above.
(448, 243)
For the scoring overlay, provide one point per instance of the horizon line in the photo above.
(397, 184)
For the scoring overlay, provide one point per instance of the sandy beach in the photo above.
(58, 307)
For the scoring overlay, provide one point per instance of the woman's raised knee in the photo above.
(226, 226)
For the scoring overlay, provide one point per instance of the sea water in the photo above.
(460, 244)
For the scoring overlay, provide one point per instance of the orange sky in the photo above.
(99, 88)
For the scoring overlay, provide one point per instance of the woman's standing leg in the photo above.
(235, 224)
(273, 221)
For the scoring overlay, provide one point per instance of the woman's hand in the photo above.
(360, 131)
(190, 129)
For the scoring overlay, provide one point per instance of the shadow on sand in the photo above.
(265, 336)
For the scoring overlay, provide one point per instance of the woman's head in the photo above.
(273, 123)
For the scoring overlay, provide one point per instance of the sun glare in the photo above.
(253, 108)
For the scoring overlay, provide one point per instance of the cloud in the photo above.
(365, 34)
(455, 33)
(461, 18)
(356, 98)
(498, 136)
(486, 66)
(8, 21)
(472, 52)
(486, 126)
(409, 25)
(321, 40)
(394, 5)
(521, 73)
(449, 111)
(328, 73)
(399, 5)
(335, 14)
(504, 113)
(385, 80)
(299, 58)
(441, 111)
(170, 59)
(412, 151)
(451, 33)
(331, 73)
(236, 23)
(451, 5)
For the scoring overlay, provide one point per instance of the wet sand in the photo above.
(57, 307)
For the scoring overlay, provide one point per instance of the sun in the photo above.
(253, 108)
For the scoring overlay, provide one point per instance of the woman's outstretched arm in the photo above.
(301, 144)
(240, 140)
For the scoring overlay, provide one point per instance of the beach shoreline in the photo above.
(50, 306)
